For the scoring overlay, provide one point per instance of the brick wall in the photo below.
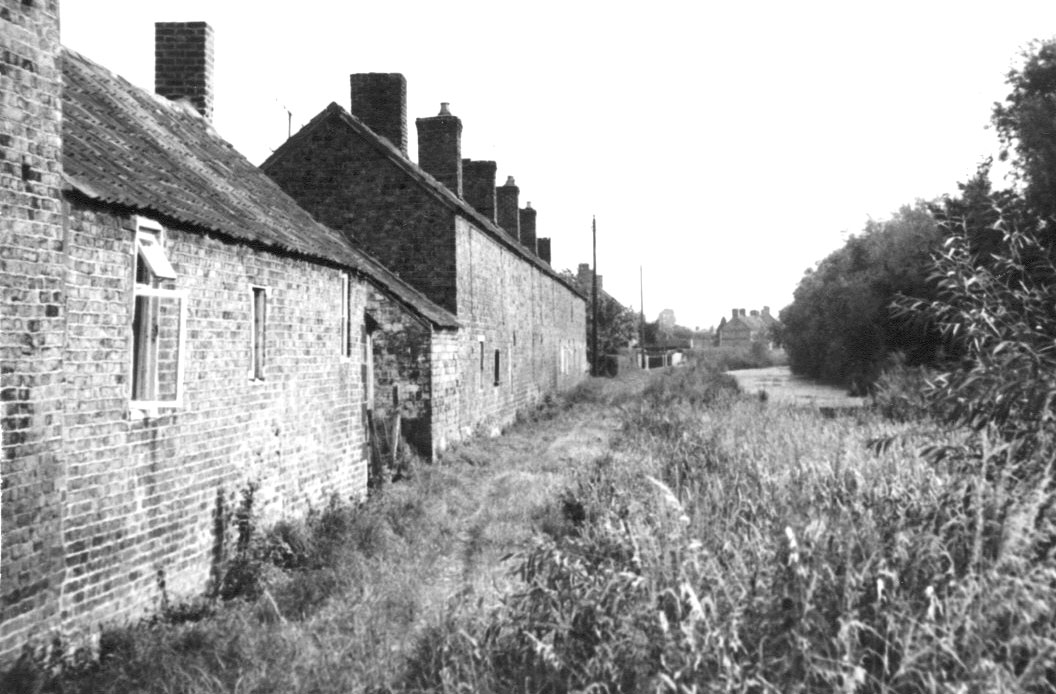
(447, 387)
(535, 323)
(32, 322)
(143, 492)
(402, 370)
(347, 184)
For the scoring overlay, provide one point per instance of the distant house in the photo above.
(176, 330)
(742, 328)
(666, 321)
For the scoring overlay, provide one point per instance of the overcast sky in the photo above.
(724, 147)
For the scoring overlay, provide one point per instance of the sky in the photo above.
(723, 148)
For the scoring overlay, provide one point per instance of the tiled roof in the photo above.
(435, 187)
(124, 145)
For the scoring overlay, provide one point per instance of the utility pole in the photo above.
(594, 302)
(641, 318)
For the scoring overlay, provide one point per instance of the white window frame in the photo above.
(252, 372)
(149, 248)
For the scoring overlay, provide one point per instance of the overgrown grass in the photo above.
(757, 356)
(725, 545)
(717, 543)
(335, 602)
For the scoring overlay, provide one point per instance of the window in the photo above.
(480, 342)
(497, 372)
(258, 333)
(346, 318)
(159, 319)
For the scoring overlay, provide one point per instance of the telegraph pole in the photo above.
(641, 317)
(594, 302)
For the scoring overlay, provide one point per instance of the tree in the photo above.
(1026, 124)
(840, 327)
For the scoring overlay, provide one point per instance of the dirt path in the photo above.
(506, 484)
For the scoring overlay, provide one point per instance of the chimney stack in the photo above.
(379, 99)
(583, 275)
(478, 186)
(735, 312)
(527, 222)
(508, 213)
(440, 148)
(183, 63)
(544, 250)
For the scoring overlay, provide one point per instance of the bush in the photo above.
(1001, 313)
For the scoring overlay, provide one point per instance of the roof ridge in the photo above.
(128, 146)
(429, 183)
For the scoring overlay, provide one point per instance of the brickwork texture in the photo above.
(143, 490)
(32, 321)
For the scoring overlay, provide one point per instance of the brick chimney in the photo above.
(527, 222)
(735, 313)
(544, 249)
(583, 275)
(508, 213)
(183, 63)
(478, 186)
(440, 148)
(379, 99)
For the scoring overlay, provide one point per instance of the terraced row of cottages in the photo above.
(179, 324)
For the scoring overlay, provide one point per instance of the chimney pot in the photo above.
(440, 148)
(508, 212)
(443, 108)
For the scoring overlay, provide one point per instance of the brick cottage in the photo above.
(175, 329)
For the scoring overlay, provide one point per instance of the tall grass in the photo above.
(727, 545)
(718, 543)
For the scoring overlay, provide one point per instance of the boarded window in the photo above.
(497, 368)
(159, 316)
(259, 332)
